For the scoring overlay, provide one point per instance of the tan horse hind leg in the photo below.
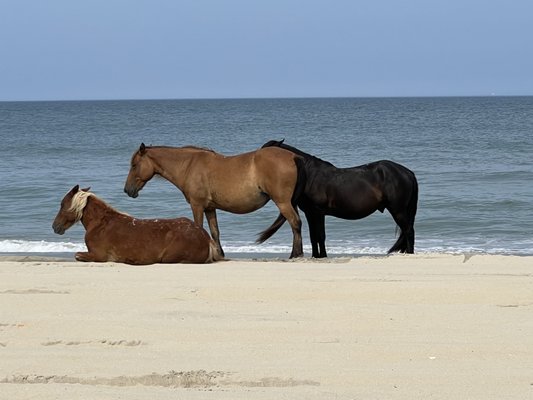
(291, 214)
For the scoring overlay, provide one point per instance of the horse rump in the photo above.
(301, 179)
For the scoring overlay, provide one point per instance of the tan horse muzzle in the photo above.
(131, 191)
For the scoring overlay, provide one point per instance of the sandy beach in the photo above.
(398, 327)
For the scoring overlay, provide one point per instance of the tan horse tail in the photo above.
(214, 253)
(298, 190)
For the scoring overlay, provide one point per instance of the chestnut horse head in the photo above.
(71, 210)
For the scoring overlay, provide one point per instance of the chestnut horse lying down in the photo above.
(115, 236)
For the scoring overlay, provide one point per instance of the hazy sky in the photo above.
(136, 49)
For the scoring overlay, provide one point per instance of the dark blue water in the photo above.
(472, 156)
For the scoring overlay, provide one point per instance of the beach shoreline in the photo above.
(401, 326)
(265, 256)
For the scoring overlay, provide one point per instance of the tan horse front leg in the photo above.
(211, 216)
(198, 215)
(291, 214)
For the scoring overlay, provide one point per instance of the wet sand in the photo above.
(399, 327)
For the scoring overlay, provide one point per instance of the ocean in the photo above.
(473, 157)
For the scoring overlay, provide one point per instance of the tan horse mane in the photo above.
(199, 148)
(79, 201)
(189, 147)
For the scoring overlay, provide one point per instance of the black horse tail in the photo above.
(298, 190)
(412, 208)
(268, 232)
(413, 204)
(406, 241)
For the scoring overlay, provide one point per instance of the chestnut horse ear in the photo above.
(86, 189)
(281, 141)
(142, 149)
(75, 189)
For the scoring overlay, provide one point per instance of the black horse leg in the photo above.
(312, 233)
(317, 233)
(411, 241)
(322, 235)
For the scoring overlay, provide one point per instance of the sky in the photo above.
(172, 49)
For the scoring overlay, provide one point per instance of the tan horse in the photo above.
(115, 236)
(238, 184)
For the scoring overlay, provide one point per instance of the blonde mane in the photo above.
(78, 203)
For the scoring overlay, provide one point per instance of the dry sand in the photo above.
(399, 327)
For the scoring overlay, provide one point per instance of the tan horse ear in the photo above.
(142, 149)
(86, 189)
(75, 189)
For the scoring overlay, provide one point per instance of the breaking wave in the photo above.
(39, 246)
(334, 248)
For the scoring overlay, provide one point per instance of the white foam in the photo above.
(39, 246)
(277, 248)
(335, 247)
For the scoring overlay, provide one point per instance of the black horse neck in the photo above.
(306, 156)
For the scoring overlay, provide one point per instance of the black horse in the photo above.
(353, 193)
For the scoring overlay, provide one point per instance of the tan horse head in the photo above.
(141, 171)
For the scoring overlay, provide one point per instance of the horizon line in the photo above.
(492, 95)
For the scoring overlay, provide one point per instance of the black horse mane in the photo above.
(281, 144)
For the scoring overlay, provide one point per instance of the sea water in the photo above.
(473, 158)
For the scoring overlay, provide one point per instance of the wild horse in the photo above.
(353, 193)
(115, 236)
(239, 184)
